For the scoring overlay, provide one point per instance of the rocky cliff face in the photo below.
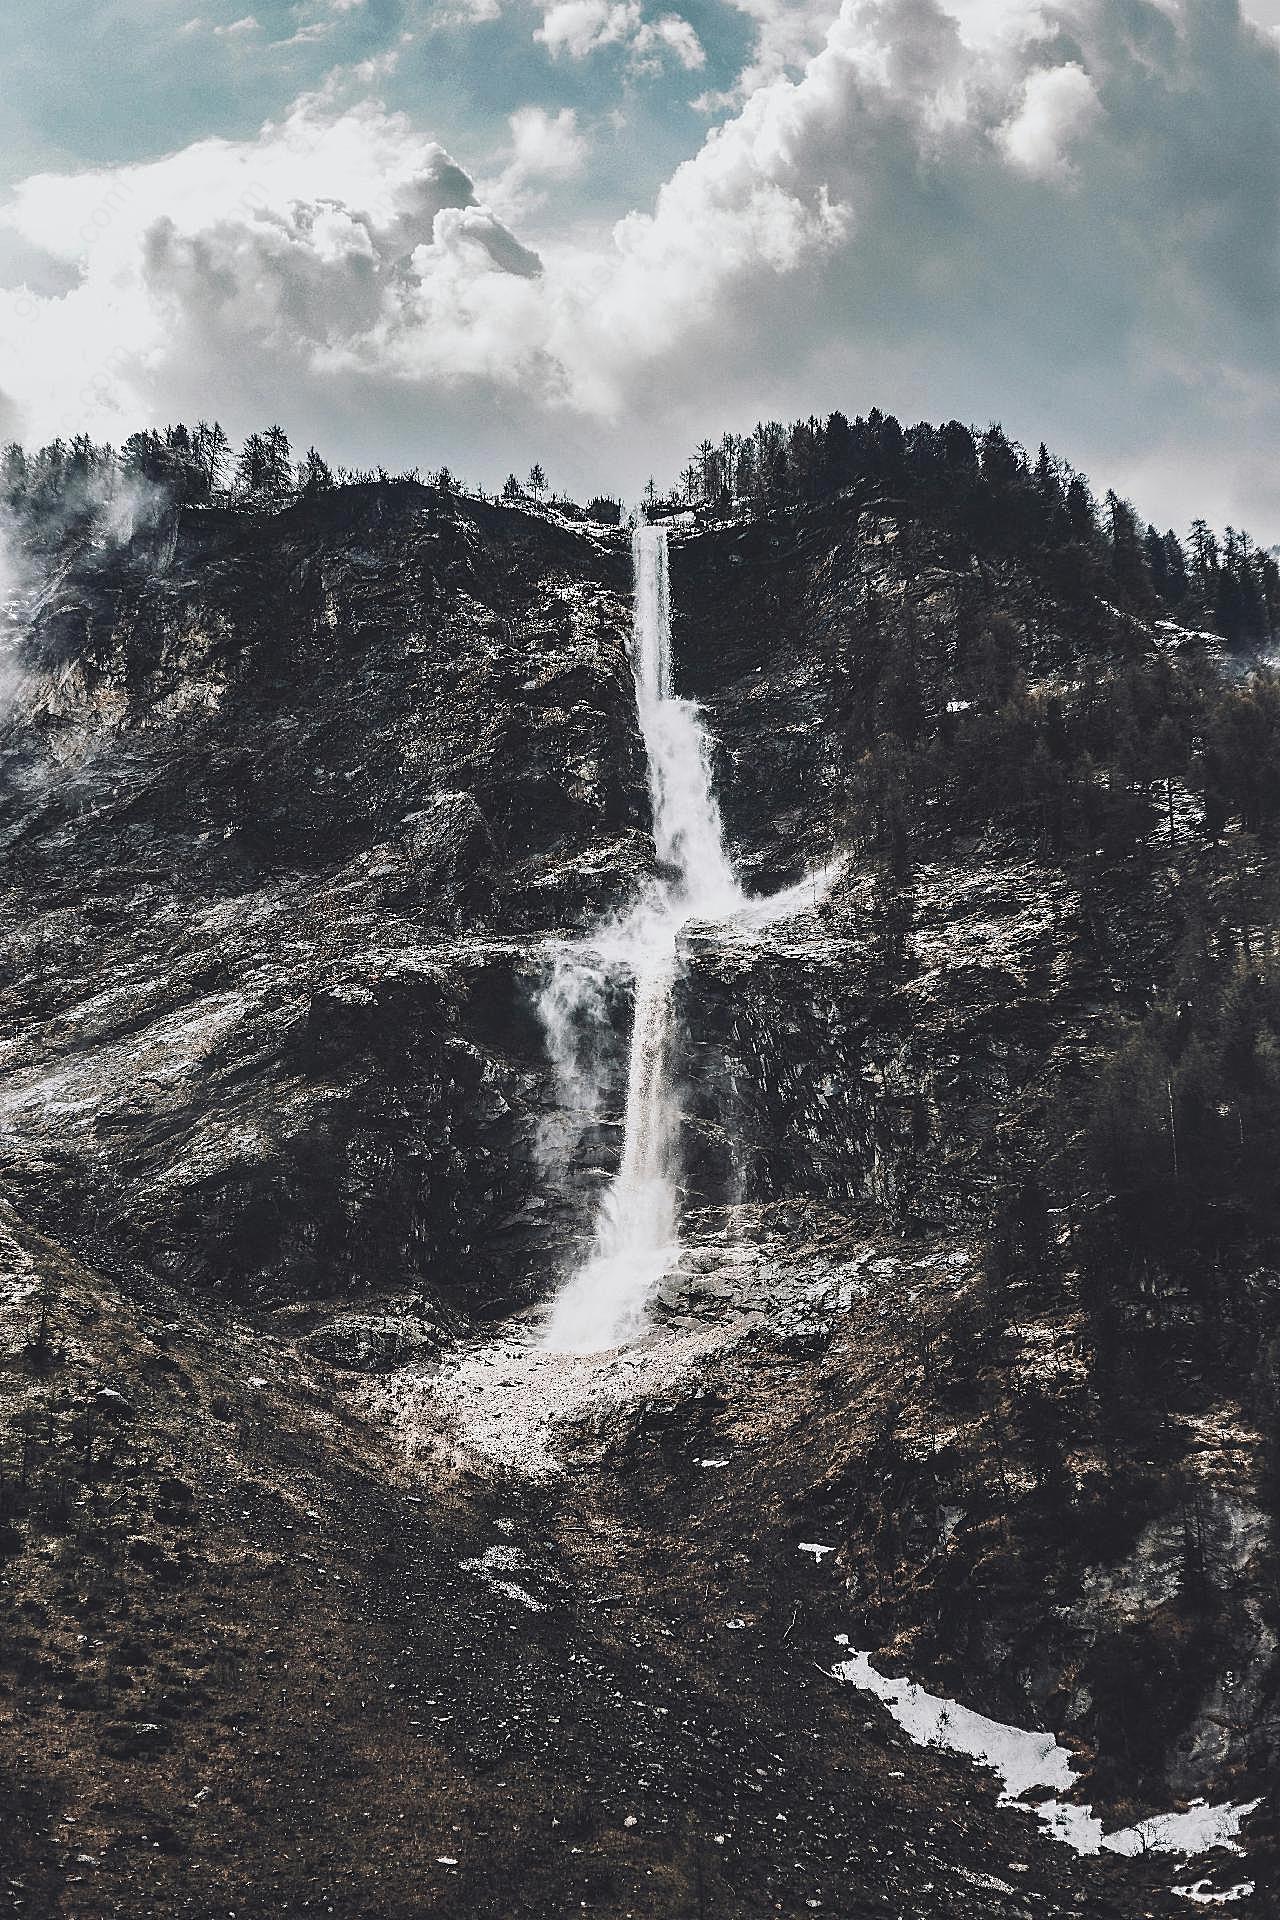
(886, 1048)
(293, 810)
(901, 1056)
(288, 806)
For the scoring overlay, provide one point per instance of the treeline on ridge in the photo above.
(981, 485)
(69, 483)
(986, 488)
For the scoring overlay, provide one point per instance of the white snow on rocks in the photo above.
(1029, 1762)
(1205, 1895)
(509, 1401)
(1198, 1830)
(493, 1565)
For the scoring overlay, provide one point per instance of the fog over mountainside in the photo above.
(832, 919)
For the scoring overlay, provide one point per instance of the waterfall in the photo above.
(686, 820)
(635, 1239)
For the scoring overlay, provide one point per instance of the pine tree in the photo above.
(708, 471)
(1204, 556)
(838, 452)
(212, 452)
(958, 450)
(14, 475)
(278, 466)
(314, 475)
(145, 457)
(250, 470)
(1081, 513)
(999, 461)
(1175, 565)
(264, 471)
(1128, 562)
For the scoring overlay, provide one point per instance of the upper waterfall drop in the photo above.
(687, 829)
(635, 1239)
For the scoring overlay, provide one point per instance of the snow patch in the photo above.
(1199, 1829)
(1205, 1895)
(1028, 1762)
(492, 1565)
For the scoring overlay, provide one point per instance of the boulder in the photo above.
(373, 1342)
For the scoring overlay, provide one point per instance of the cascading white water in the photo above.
(636, 1232)
(686, 820)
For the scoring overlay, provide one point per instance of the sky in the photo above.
(590, 232)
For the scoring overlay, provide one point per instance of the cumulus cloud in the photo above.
(545, 147)
(1058, 106)
(222, 30)
(787, 35)
(465, 13)
(319, 244)
(672, 34)
(582, 27)
(1062, 216)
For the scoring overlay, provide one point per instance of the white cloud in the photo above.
(788, 34)
(674, 35)
(315, 245)
(464, 13)
(579, 28)
(544, 147)
(1059, 104)
(1066, 221)
(309, 30)
(234, 30)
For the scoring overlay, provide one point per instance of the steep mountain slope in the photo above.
(266, 771)
(1002, 1010)
(292, 806)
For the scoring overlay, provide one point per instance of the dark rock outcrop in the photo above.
(288, 806)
